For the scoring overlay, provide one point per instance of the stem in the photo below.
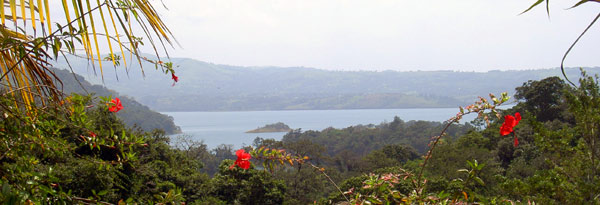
(430, 152)
(73, 72)
(88, 201)
(562, 62)
(330, 180)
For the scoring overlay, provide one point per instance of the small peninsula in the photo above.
(277, 127)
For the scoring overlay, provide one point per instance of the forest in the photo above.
(78, 148)
(88, 155)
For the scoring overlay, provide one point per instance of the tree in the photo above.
(239, 186)
(29, 40)
(543, 98)
(585, 104)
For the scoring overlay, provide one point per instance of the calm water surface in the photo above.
(215, 128)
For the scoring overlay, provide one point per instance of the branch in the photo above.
(330, 180)
(430, 152)
(89, 201)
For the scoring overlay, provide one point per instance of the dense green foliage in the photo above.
(556, 161)
(363, 139)
(77, 153)
(136, 114)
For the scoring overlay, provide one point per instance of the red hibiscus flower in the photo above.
(509, 123)
(243, 160)
(174, 77)
(116, 105)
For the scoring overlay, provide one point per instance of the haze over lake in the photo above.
(215, 128)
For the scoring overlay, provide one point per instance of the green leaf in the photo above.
(531, 7)
(479, 181)
(372, 199)
(480, 166)
(102, 193)
(579, 3)
(46, 189)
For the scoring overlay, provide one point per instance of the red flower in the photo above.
(92, 134)
(174, 77)
(243, 160)
(509, 123)
(116, 105)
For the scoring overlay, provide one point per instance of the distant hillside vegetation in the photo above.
(133, 114)
(211, 87)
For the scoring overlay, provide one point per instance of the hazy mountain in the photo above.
(134, 114)
(211, 87)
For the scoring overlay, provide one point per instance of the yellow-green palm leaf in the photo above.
(30, 39)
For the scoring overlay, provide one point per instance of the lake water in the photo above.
(215, 128)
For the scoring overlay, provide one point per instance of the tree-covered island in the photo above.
(276, 127)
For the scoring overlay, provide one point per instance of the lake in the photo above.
(215, 128)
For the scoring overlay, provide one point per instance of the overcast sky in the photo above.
(469, 35)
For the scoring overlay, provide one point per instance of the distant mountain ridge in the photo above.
(211, 87)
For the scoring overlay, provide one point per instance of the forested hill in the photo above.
(211, 87)
(133, 114)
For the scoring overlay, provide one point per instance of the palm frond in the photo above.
(25, 56)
